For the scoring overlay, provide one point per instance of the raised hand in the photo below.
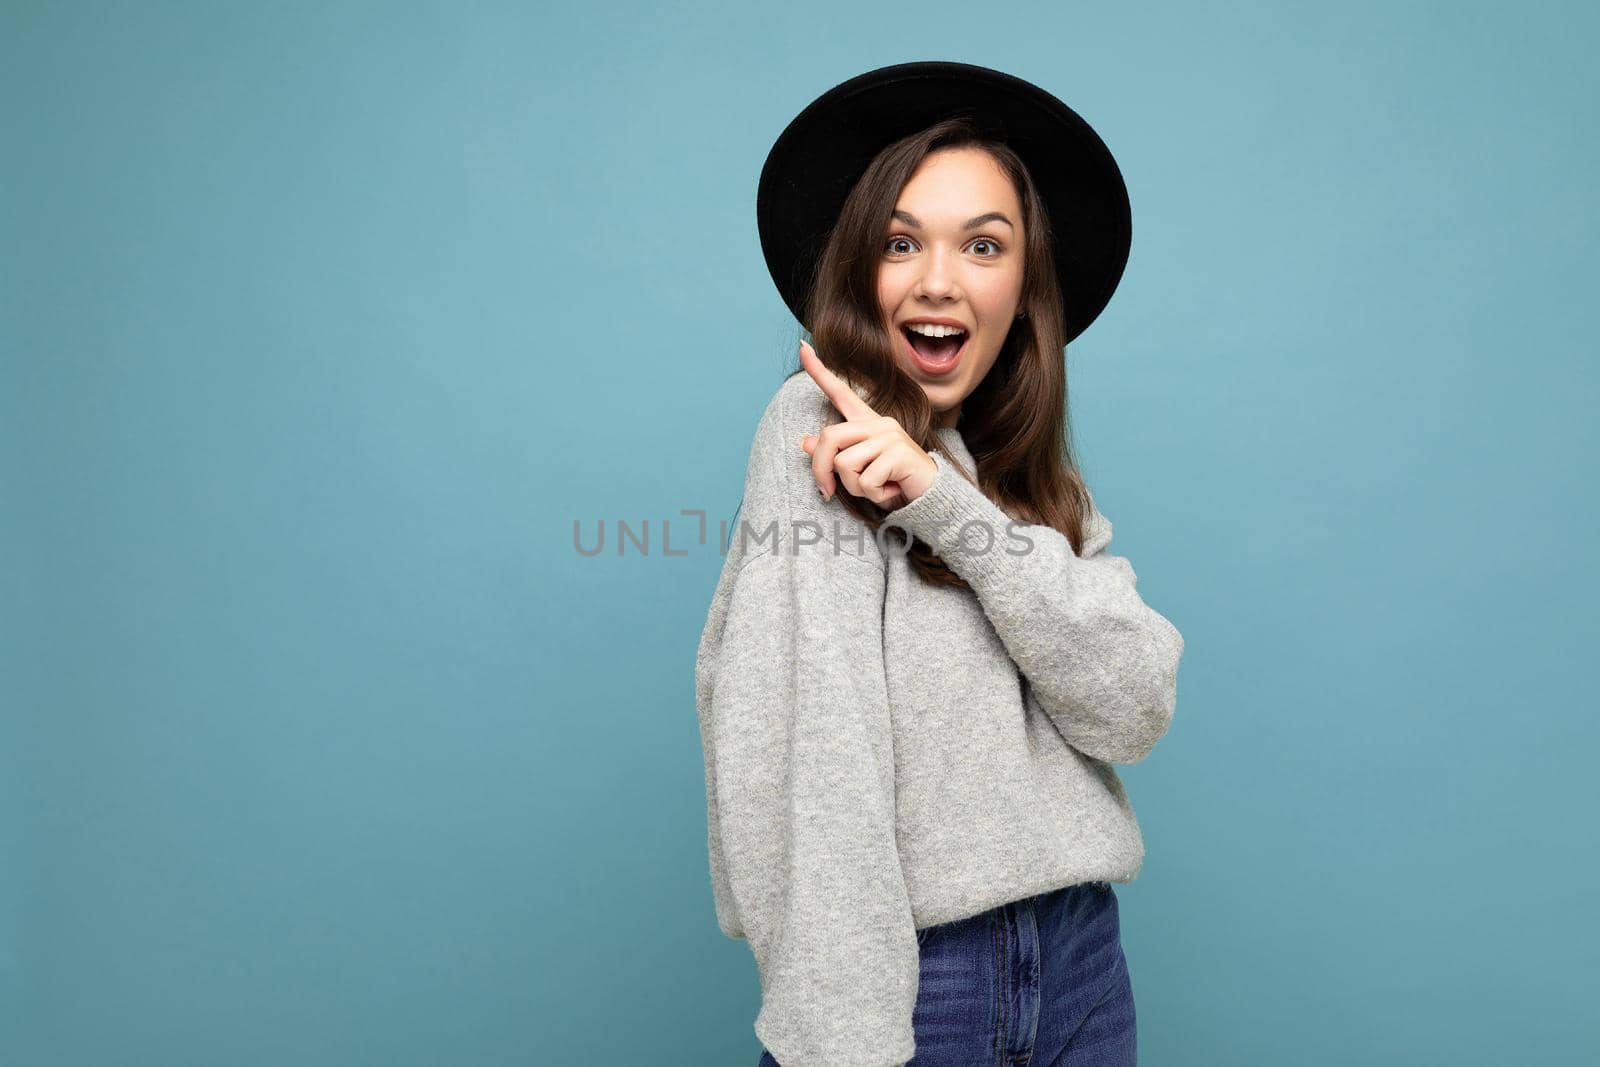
(870, 453)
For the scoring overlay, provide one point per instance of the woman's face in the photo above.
(952, 253)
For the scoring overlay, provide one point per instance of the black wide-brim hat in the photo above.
(821, 155)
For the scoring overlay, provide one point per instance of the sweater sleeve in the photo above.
(1100, 662)
(798, 723)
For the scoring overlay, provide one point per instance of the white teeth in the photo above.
(928, 329)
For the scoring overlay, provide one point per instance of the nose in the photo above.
(937, 280)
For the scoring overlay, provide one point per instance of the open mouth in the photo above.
(935, 355)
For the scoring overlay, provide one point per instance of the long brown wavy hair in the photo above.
(1015, 423)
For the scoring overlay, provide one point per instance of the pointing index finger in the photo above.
(846, 399)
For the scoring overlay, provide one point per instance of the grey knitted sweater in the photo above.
(882, 755)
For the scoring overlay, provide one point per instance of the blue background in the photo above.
(324, 324)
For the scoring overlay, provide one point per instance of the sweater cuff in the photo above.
(968, 530)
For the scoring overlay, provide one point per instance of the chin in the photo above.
(942, 399)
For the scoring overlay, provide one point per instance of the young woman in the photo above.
(920, 663)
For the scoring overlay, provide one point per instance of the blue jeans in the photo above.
(1038, 982)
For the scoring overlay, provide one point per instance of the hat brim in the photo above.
(823, 152)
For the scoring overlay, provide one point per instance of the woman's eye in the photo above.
(994, 246)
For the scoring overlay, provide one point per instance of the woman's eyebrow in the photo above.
(971, 224)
